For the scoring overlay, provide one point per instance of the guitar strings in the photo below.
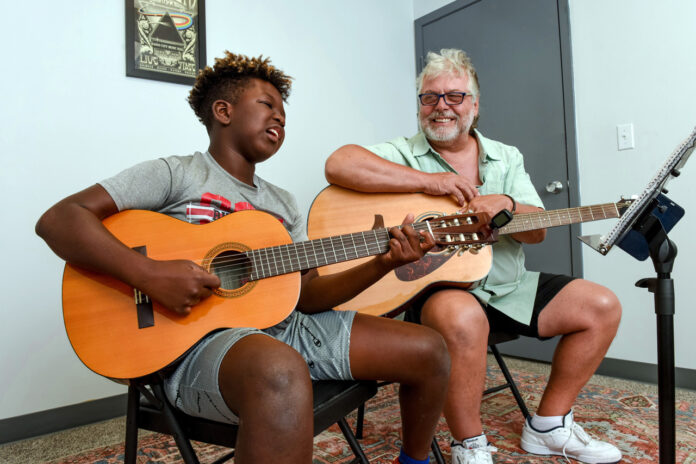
(332, 243)
(559, 217)
(272, 262)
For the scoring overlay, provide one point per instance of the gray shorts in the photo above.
(323, 340)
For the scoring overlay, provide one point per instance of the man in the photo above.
(450, 157)
(260, 379)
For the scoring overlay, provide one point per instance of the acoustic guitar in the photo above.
(337, 208)
(119, 332)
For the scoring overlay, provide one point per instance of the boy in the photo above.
(258, 378)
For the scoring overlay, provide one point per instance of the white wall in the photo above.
(423, 7)
(633, 62)
(70, 117)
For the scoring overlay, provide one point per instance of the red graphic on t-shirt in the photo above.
(218, 201)
(213, 206)
(243, 206)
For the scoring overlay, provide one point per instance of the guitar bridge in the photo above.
(143, 303)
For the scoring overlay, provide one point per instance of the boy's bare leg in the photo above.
(267, 384)
(412, 355)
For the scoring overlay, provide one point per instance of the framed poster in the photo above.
(165, 39)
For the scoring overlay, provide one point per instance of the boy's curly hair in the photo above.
(228, 77)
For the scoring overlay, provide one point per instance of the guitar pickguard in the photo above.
(421, 268)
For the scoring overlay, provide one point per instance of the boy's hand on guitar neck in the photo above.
(178, 285)
(405, 246)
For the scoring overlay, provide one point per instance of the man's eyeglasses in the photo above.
(451, 98)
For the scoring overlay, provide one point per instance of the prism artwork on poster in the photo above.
(165, 39)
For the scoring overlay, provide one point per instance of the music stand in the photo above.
(642, 232)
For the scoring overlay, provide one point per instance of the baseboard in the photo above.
(54, 420)
(532, 349)
(645, 372)
(631, 370)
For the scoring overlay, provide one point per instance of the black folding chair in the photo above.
(149, 409)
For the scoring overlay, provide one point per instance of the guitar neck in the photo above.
(293, 257)
(560, 217)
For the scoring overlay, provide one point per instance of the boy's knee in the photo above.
(274, 375)
(284, 373)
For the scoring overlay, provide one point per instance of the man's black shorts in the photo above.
(549, 286)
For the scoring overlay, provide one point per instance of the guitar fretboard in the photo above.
(560, 217)
(293, 257)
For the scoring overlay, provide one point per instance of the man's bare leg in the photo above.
(458, 316)
(587, 316)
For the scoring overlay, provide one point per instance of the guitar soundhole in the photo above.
(233, 268)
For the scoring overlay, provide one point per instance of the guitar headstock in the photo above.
(470, 231)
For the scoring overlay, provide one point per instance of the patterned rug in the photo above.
(627, 419)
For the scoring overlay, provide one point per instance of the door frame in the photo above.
(568, 105)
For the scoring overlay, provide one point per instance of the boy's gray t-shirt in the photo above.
(198, 190)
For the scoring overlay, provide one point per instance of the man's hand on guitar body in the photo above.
(178, 285)
(449, 183)
(405, 246)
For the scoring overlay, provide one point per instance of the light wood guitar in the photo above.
(119, 332)
(337, 208)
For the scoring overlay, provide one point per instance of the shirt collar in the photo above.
(421, 146)
(485, 151)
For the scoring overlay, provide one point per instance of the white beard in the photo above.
(446, 134)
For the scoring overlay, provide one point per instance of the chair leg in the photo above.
(510, 381)
(435, 447)
(352, 441)
(131, 450)
(359, 422)
(182, 442)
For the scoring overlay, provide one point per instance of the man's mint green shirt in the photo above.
(509, 287)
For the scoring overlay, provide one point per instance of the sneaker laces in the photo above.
(477, 452)
(484, 449)
(580, 434)
(481, 451)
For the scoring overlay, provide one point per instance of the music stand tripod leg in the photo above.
(663, 252)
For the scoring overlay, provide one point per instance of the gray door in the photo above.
(521, 52)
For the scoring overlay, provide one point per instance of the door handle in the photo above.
(555, 186)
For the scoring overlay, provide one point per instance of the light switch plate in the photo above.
(624, 136)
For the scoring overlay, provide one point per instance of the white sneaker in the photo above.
(477, 454)
(570, 441)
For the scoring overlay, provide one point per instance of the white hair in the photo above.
(449, 61)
